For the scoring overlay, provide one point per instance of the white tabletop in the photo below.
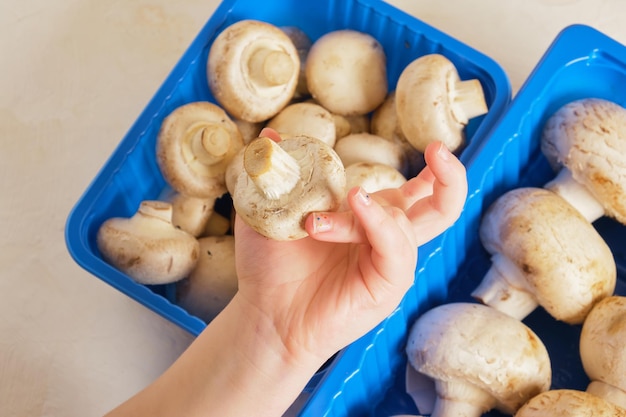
(74, 75)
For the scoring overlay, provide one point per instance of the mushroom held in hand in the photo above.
(194, 146)
(479, 358)
(585, 140)
(543, 253)
(434, 104)
(281, 183)
(147, 246)
(213, 282)
(253, 69)
(568, 403)
(603, 349)
(346, 72)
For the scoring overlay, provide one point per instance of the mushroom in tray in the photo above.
(305, 118)
(195, 144)
(544, 253)
(585, 141)
(147, 246)
(603, 350)
(279, 183)
(433, 103)
(346, 72)
(253, 70)
(479, 359)
(570, 403)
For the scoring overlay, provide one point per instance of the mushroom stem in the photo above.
(608, 392)
(452, 400)
(270, 67)
(468, 100)
(576, 194)
(209, 144)
(271, 168)
(503, 288)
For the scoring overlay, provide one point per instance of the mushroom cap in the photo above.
(213, 282)
(346, 72)
(373, 177)
(177, 142)
(367, 147)
(307, 119)
(603, 341)
(431, 105)
(236, 65)
(568, 403)
(483, 347)
(320, 188)
(588, 136)
(567, 265)
(147, 246)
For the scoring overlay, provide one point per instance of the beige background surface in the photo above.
(74, 75)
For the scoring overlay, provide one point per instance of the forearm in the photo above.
(236, 367)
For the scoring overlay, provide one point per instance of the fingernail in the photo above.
(444, 152)
(364, 197)
(321, 223)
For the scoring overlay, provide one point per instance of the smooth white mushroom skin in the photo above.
(305, 118)
(346, 72)
(195, 144)
(587, 137)
(147, 246)
(373, 177)
(479, 358)
(544, 252)
(213, 282)
(253, 69)
(366, 147)
(272, 198)
(568, 403)
(603, 349)
(434, 104)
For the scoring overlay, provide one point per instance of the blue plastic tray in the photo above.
(131, 174)
(367, 379)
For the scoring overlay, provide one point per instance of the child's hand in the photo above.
(324, 291)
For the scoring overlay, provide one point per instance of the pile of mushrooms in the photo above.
(337, 128)
(544, 252)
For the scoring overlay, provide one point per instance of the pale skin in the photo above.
(301, 301)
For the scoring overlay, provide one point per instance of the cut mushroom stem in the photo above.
(576, 194)
(468, 100)
(273, 170)
(210, 144)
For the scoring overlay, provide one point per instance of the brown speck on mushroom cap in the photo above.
(588, 137)
(564, 263)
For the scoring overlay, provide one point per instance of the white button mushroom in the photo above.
(213, 282)
(568, 403)
(194, 146)
(147, 246)
(543, 253)
(307, 119)
(603, 349)
(280, 183)
(190, 214)
(346, 72)
(367, 147)
(434, 104)
(253, 69)
(373, 177)
(479, 358)
(585, 140)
